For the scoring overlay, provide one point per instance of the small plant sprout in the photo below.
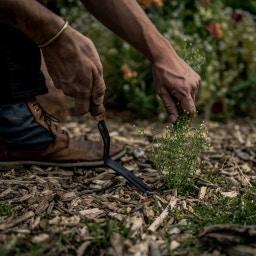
(5, 209)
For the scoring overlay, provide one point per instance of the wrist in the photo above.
(162, 50)
(43, 31)
(32, 18)
(54, 37)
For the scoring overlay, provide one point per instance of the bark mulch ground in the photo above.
(89, 211)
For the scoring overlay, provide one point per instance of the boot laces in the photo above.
(47, 117)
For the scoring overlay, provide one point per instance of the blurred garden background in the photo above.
(216, 37)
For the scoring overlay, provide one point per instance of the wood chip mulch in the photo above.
(51, 204)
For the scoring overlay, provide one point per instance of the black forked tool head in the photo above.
(137, 182)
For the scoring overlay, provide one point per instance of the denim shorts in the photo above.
(20, 62)
(20, 79)
(19, 129)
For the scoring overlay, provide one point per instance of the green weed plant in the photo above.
(177, 155)
(103, 232)
(5, 209)
(221, 210)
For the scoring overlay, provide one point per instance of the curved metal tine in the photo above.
(115, 165)
(136, 181)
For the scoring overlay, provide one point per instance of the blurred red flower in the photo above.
(238, 17)
(215, 30)
(217, 107)
(152, 3)
(205, 2)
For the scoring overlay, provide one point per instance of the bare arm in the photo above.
(72, 60)
(82, 75)
(30, 17)
(128, 20)
(174, 79)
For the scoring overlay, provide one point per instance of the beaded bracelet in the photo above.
(54, 37)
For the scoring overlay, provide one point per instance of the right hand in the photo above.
(75, 67)
(175, 82)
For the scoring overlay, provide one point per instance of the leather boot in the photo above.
(63, 152)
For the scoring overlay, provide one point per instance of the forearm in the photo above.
(39, 23)
(128, 20)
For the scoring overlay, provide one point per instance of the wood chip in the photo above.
(40, 238)
(13, 222)
(5, 192)
(202, 192)
(92, 213)
(159, 220)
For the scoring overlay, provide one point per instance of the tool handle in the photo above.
(100, 117)
(96, 109)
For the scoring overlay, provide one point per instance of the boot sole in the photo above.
(19, 164)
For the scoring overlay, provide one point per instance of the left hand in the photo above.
(75, 67)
